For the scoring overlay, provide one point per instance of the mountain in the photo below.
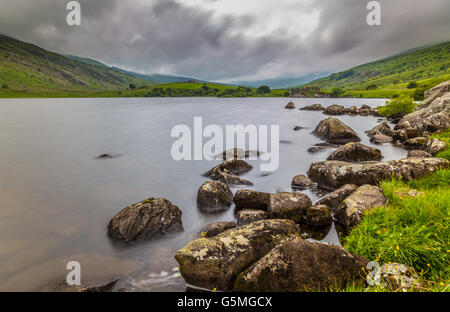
(158, 78)
(29, 69)
(427, 66)
(282, 83)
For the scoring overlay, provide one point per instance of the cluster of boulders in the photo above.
(337, 110)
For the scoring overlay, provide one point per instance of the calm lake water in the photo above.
(56, 199)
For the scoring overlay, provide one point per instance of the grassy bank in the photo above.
(410, 229)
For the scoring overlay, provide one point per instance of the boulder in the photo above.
(353, 110)
(398, 277)
(299, 265)
(288, 206)
(380, 139)
(313, 107)
(334, 199)
(333, 174)
(434, 93)
(335, 131)
(415, 143)
(418, 154)
(319, 216)
(290, 105)
(382, 128)
(216, 228)
(351, 211)
(151, 218)
(247, 216)
(228, 171)
(250, 199)
(355, 152)
(435, 146)
(214, 196)
(216, 262)
(301, 182)
(335, 110)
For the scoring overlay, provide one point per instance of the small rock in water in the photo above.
(319, 216)
(214, 196)
(301, 182)
(107, 156)
(290, 105)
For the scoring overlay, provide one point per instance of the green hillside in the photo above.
(386, 77)
(27, 70)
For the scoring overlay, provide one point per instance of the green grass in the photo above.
(410, 230)
(391, 76)
(402, 104)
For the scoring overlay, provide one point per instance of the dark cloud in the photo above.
(170, 36)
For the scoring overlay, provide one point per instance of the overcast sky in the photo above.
(225, 40)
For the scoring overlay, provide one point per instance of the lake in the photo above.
(56, 198)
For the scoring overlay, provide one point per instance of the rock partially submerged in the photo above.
(299, 265)
(288, 206)
(64, 287)
(216, 228)
(250, 199)
(382, 128)
(216, 262)
(320, 147)
(351, 211)
(333, 174)
(214, 196)
(151, 218)
(319, 216)
(290, 105)
(228, 171)
(335, 110)
(355, 152)
(248, 216)
(238, 153)
(334, 199)
(418, 154)
(301, 182)
(313, 107)
(335, 131)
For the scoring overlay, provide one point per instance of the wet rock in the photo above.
(313, 107)
(216, 228)
(398, 277)
(334, 199)
(415, 143)
(355, 152)
(290, 105)
(64, 287)
(382, 128)
(250, 199)
(298, 128)
(418, 154)
(319, 216)
(351, 211)
(299, 265)
(288, 206)
(317, 233)
(214, 196)
(333, 174)
(228, 171)
(215, 262)
(151, 218)
(335, 110)
(107, 156)
(380, 139)
(301, 182)
(248, 216)
(335, 131)
(238, 153)
(435, 146)
(353, 110)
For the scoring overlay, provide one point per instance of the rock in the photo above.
(335, 131)
(435, 146)
(351, 211)
(64, 287)
(288, 206)
(235, 153)
(382, 128)
(335, 110)
(333, 174)
(151, 218)
(351, 111)
(415, 143)
(215, 262)
(248, 216)
(418, 154)
(355, 152)
(316, 149)
(228, 171)
(334, 199)
(313, 107)
(320, 147)
(214, 196)
(290, 105)
(250, 199)
(301, 182)
(380, 139)
(398, 277)
(299, 265)
(319, 216)
(216, 228)
(433, 114)
(107, 156)
(298, 128)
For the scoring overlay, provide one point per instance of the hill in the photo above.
(283, 82)
(427, 67)
(27, 70)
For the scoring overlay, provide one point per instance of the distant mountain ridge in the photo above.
(282, 82)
